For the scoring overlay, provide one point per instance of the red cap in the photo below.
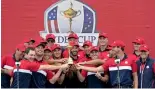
(48, 48)
(94, 48)
(52, 36)
(88, 43)
(21, 47)
(139, 40)
(31, 46)
(73, 35)
(144, 48)
(28, 40)
(109, 47)
(37, 43)
(118, 43)
(103, 35)
(74, 43)
(55, 46)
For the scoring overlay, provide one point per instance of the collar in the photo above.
(14, 58)
(135, 54)
(74, 58)
(125, 57)
(103, 50)
(147, 59)
(87, 55)
(39, 61)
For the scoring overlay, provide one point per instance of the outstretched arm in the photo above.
(56, 61)
(80, 77)
(102, 78)
(62, 77)
(91, 69)
(35, 66)
(52, 67)
(93, 62)
(6, 71)
(55, 77)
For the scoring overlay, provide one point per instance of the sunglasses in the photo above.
(137, 43)
(50, 40)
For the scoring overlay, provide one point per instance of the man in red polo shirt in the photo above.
(50, 39)
(103, 44)
(136, 44)
(92, 80)
(122, 68)
(73, 37)
(8, 62)
(71, 80)
(39, 77)
(86, 50)
(110, 54)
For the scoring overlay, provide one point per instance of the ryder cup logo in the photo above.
(70, 15)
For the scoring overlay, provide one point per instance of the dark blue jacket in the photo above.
(146, 77)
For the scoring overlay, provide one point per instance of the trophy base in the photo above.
(70, 61)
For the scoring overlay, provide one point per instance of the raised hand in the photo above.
(73, 68)
(78, 66)
(98, 75)
(64, 66)
(65, 70)
(64, 60)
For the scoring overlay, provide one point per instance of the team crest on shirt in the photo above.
(126, 62)
(147, 67)
(70, 15)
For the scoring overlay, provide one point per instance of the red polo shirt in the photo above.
(8, 62)
(126, 66)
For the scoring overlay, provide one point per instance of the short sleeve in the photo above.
(12, 73)
(33, 66)
(84, 73)
(81, 54)
(134, 66)
(3, 61)
(105, 66)
(65, 53)
(49, 75)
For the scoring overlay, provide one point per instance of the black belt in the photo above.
(123, 86)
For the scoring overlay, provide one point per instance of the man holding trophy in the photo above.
(71, 79)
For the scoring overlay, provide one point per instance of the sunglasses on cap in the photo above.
(20, 50)
(137, 43)
(50, 40)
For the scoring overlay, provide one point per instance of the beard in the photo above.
(74, 53)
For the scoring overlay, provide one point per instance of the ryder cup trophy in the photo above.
(70, 61)
(70, 14)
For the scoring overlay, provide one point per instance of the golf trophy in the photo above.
(70, 60)
(70, 14)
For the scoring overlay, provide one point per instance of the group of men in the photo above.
(42, 63)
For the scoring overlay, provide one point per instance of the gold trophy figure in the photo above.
(70, 61)
(71, 13)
